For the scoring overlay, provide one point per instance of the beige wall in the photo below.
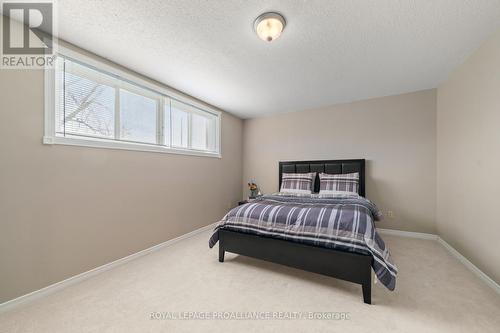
(65, 210)
(468, 163)
(396, 135)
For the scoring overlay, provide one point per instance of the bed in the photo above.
(333, 236)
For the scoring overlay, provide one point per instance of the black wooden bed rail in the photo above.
(338, 264)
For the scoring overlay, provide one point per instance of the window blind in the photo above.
(96, 105)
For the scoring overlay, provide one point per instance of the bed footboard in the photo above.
(347, 266)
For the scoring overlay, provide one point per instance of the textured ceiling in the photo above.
(331, 51)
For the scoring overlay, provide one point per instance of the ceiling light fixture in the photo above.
(269, 26)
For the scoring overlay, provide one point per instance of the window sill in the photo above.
(96, 143)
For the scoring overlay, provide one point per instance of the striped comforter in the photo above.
(338, 222)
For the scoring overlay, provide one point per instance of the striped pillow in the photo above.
(333, 184)
(297, 182)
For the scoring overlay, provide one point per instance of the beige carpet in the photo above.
(434, 293)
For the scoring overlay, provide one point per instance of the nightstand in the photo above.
(245, 201)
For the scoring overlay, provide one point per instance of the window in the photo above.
(87, 106)
(179, 125)
(192, 128)
(92, 104)
(138, 117)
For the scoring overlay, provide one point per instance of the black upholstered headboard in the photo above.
(328, 166)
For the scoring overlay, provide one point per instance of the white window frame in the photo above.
(51, 105)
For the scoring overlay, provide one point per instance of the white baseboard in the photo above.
(409, 234)
(86, 275)
(473, 268)
(98, 270)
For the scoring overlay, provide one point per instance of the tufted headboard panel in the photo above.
(328, 166)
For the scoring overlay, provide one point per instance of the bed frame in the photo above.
(343, 265)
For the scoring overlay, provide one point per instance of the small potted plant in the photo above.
(254, 190)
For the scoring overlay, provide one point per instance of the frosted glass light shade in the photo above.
(269, 26)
